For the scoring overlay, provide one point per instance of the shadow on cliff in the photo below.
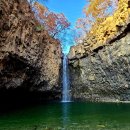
(17, 79)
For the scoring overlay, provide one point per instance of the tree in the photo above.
(95, 12)
(34, 1)
(54, 23)
(98, 8)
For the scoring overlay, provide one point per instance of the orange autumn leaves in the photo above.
(54, 23)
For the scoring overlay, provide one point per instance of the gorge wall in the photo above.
(100, 66)
(29, 58)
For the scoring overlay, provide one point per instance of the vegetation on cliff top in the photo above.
(56, 24)
(95, 12)
(100, 24)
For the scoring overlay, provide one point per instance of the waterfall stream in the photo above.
(66, 82)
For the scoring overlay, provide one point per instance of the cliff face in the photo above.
(29, 57)
(102, 72)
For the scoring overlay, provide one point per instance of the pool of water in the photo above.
(68, 116)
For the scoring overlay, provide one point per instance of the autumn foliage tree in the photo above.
(32, 2)
(95, 12)
(54, 23)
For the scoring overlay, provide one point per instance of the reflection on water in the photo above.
(68, 116)
(65, 114)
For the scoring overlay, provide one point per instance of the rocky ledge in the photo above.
(102, 72)
(30, 59)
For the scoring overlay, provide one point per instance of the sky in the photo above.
(72, 9)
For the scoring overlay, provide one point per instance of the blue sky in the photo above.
(72, 9)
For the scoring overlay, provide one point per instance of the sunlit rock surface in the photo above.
(104, 33)
(102, 71)
(29, 57)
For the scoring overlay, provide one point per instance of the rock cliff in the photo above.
(29, 58)
(100, 66)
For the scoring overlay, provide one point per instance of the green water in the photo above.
(69, 116)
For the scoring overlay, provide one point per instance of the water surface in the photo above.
(68, 116)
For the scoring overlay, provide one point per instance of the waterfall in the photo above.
(66, 83)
